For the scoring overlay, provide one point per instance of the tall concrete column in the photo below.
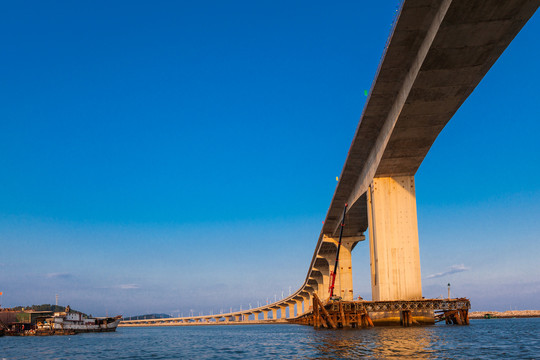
(299, 310)
(274, 313)
(393, 239)
(291, 310)
(345, 271)
(320, 286)
(283, 312)
(326, 284)
(265, 314)
(307, 303)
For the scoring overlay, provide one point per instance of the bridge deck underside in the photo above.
(470, 38)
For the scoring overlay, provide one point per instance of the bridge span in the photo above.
(437, 53)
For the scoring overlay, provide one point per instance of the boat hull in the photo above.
(87, 328)
(70, 328)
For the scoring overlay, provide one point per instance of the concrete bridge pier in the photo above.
(308, 300)
(343, 285)
(283, 312)
(345, 270)
(324, 282)
(393, 230)
(394, 246)
(319, 285)
(299, 310)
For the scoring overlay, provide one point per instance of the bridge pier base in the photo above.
(357, 314)
(404, 317)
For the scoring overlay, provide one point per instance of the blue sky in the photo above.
(169, 156)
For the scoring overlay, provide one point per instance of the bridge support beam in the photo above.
(283, 312)
(265, 314)
(305, 302)
(393, 239)
(299, 310)
(345, 272)
(326, 284)
(308, 301)
(291, 310)
(274, 313)
(319, 288)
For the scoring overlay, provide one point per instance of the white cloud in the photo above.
(128, 286)
(453, 269)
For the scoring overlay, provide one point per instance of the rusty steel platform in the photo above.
(335, 314)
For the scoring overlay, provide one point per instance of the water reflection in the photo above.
(378, 343)
(416, 342)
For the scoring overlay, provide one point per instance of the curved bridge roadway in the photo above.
(438, 52)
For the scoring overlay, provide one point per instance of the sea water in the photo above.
(482, 339)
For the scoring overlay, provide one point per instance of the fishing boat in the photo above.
(68, 322)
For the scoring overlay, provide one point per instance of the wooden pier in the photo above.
(337, 314)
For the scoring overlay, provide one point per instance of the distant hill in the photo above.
(148, 316)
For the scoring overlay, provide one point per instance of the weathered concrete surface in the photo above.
(393, 239)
